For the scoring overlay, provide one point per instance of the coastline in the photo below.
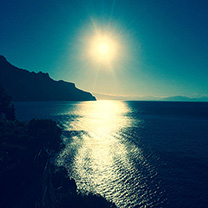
(28, 174)
(29, 177)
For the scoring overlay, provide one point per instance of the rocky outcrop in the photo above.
(23, 85)
(28, 176)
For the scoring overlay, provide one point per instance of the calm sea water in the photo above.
(136, 154)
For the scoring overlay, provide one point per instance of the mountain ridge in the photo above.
(176, 98)
(23, 85)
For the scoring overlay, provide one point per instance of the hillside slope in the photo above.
(23, 85)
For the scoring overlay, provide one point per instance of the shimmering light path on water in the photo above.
(136, 154)
(104, 161)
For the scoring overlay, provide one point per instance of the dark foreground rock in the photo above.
(28, 177)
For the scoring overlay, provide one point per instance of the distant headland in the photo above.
(23, 85)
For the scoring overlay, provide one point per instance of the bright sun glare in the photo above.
(103, 48)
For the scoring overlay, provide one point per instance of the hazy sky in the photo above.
(163, 43)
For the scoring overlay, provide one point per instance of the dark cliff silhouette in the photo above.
(23, 85)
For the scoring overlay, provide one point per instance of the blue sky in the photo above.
(164, 43)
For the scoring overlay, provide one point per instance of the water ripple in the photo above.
(104, 159)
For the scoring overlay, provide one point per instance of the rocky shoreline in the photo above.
(28, 174)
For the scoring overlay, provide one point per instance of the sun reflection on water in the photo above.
(101, 117)
(101, 158)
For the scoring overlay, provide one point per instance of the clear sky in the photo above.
(163, 44)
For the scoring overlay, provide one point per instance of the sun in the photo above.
(103, 48)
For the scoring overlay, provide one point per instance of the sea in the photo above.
(133, 153)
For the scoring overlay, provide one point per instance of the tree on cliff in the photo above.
(6, 109)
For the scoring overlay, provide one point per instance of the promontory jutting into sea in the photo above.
(129, 153)
(104, 104)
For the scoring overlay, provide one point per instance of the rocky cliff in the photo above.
(23, 85)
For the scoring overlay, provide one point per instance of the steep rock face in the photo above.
(23, 85)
